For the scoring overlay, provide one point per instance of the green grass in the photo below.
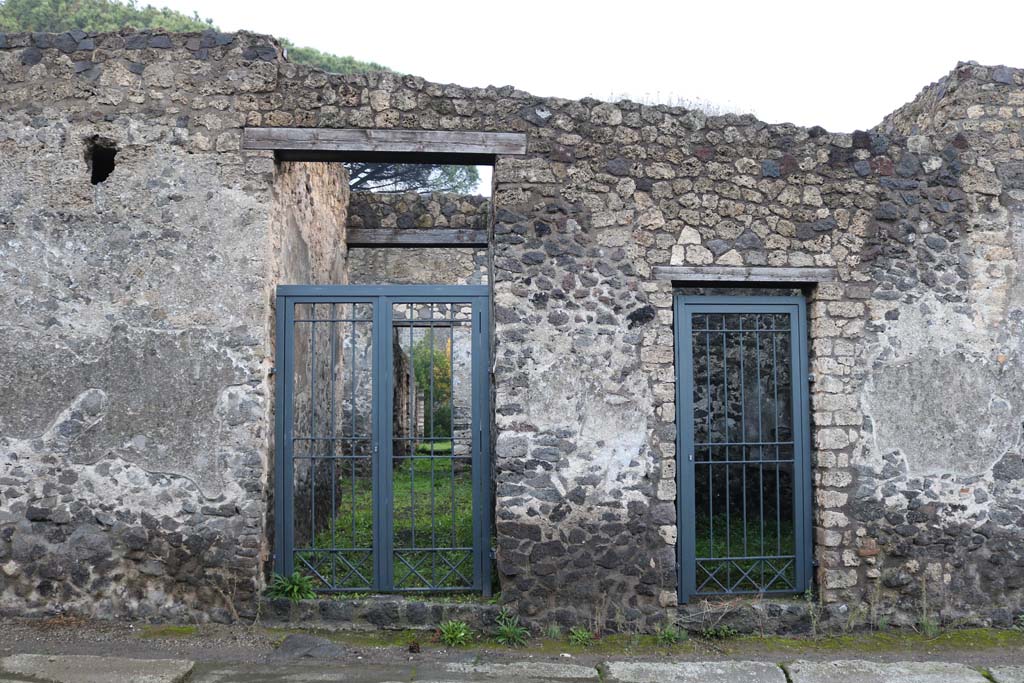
(967, 639)
(455, 633)
(168, 631)
(776, 537)
(747, 646)
(439, 448)
(296, 587)
(415, 493)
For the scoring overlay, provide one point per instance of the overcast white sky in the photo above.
(841, 65)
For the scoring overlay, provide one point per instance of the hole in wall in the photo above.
(99, 155)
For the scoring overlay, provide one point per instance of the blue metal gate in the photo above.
(743, 445)
(382, 446)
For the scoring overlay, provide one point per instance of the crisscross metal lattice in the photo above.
(744, 475)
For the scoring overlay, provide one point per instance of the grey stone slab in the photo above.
(1008, 674)
(521, 670)
(299, 646)
(859, 671)
(92, 669)
(369, 672)
(694, 672)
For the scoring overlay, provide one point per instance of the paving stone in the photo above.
(695, 672)
(91, 669)
(520, 670)
(859, 671)
(1008, 674)
(303, 646)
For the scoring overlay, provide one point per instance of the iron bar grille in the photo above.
(332, 444)
(742, 488)
(382, 477)
(432, 452)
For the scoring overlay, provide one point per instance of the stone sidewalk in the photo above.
(24, 668)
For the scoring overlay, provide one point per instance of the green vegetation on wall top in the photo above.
(57, 16)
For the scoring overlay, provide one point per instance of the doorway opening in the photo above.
(743, 451)
(383, 437)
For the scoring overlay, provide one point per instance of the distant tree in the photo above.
(377, 177)
(334, 64)
(431, 361)
(57, 16)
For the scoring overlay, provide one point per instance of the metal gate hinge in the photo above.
(810, 377)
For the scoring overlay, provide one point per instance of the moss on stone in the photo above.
(969, 639)
(169, 631)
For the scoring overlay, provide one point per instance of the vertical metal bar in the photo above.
(354, 444)
(352, 387)
(451, 467)
(707, 374)
(778, 492)
(480, 472)
(744, 448)
(378, 481)
(288, 480)
(711, 449)
(384, 449)
(802, 458)
(332, 451)
(430, 332)
(686, 518)
(313, 444)
(282, 450)
(760, 450)
(451, 391)
(433, 497)
(411, 443)
(725, 373)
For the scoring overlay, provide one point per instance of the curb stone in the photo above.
(94, 669)
(1008, 674)
(862, 671)
(532, 670)
(695, 672)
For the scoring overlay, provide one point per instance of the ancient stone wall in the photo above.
(133, 431)
(411, 266)
(939, 482)
(914, 348)
(308, 222)
(412, 210)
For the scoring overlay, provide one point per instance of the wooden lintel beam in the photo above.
(383, 141)
(765, 274)
(416, 237)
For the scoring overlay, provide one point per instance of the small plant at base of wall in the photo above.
(813, 611)
(553, 632)
(581, 637)
(670, 635)
(296, 587)
(718, 633)
(454, 633)
(510, 632)
(926, 624)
